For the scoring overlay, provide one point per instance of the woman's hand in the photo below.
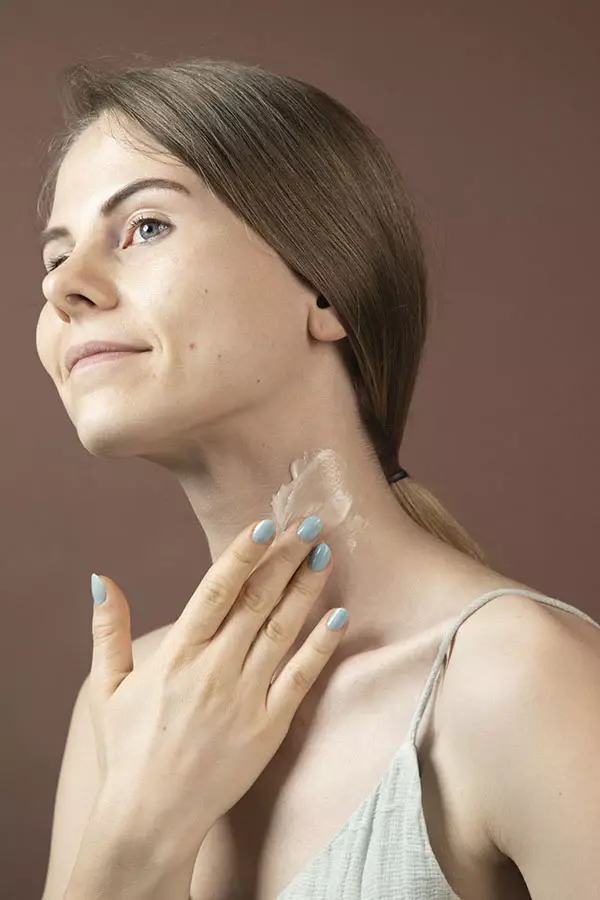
(187, 733)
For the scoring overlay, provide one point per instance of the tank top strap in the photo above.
(447, 640)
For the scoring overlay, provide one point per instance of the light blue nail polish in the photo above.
(336, 619)
(98, 589)
(264, 531)
(318, 557)
(309, 528)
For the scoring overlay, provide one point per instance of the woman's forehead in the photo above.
(106, 143)
(100, 162)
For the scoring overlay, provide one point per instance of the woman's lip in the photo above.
(104, 357)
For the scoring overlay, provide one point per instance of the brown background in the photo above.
(491, 110)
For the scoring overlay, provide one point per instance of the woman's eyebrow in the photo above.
(115, 200)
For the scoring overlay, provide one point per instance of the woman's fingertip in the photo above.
(264, 531)
(337, 619)
(98, 589)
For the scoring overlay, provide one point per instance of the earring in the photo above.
(322, 303)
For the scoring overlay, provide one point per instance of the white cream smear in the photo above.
(318, 488)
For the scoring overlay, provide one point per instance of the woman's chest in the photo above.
(318, 780)
(270, 837)
(311, 789)
(326, 767)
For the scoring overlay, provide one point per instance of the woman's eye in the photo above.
(133, 226)
(136, 224)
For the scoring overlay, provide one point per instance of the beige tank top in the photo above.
(382, 852)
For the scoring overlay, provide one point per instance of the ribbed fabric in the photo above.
(383, 852)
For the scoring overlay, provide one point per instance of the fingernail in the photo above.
(336, 619)
(98, 589)
(318, 557)
(309, 528)
(264, 531)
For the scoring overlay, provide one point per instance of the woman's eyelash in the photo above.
(54, 262)
(133, 225)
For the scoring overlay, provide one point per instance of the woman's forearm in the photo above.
(123, 856)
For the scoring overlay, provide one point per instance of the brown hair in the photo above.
(315, 182)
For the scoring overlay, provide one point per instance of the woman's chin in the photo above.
(110, 443)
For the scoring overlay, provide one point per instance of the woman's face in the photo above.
(223, 317)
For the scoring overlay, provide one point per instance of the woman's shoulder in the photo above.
(520, 625)
(513, 637)
(511, 717)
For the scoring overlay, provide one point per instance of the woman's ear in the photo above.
(324, 326)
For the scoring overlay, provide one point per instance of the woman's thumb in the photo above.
(112, 654)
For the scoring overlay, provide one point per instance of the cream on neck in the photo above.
(318, 488)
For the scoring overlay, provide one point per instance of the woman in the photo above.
(273, 288)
